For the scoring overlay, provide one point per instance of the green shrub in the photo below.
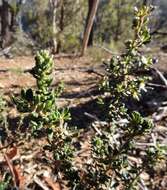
(40, 104)
(123, 79)
(3, 114)
(4, 184)
(64, 153)
(3, 119)
(40, 107)
(116, 160)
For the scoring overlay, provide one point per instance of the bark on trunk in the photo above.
(54, 31)
(89, 26)
(53, 6)
(14, 13)
(13, 21)
(5, 26)
(119, 23)
(90, 6)
(61, 25)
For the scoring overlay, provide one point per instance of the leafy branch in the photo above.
(40, 104)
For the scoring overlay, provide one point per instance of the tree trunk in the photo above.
(89, 25)
(61, 25)
(120, 3)
(14, 14)
(54, 31)
(13, 21)
(53, 7)
(5, 26)
(90, 6)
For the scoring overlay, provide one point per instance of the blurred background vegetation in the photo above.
(28, 25)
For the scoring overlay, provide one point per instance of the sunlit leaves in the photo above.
(114, 151)
(41, 103)
(122, 80)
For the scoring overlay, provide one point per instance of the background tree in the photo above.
(30, 21)
(61, 24)
(113, 21)
(93, 6)
(5, 25)
(15, 7)
(9, 20)
(70, 21)
(53, 8)
(90, 7)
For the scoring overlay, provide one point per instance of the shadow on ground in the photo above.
(80, 119)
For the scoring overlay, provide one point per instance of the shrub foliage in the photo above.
(116, 160)
(40, 104)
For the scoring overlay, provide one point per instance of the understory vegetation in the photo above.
(116, 158)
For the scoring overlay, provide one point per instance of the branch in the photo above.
(161, 76)
(157, 86)
(159, 33)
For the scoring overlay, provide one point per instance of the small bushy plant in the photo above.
(3, 185)
(124, 78)
(5, 182)
(116, 160)
(3, 115)
(42, 112)
(3, 119)
(40, 104)
(64, 153)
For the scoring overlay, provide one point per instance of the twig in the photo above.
(94, 125)
(159, 33)
(158, 116)
(102, 123)
(4, 147)
(5, 51)
(96, 129)
(164, 80)
(122, 122)
(142, 185)
(138, 144)
(134, 159)
(164, 103)
(162, 129)
(92, 116)
(95, 72)
(40, 183)
(11, 169)
(157, 85)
